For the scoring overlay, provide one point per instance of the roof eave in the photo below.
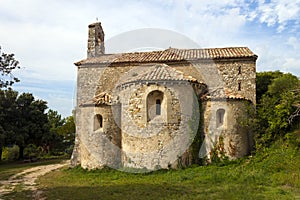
(84, 62)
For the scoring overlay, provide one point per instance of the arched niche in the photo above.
(156, 106)
(98, 122)
(220, 117)
(163, 94)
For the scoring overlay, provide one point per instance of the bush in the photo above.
(32, 151)
(10, 153)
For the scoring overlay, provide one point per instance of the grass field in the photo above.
(271, 174)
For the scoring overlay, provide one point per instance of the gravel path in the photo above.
(27, 178)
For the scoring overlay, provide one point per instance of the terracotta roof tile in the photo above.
(102, 98)
(172, 54)
(233, 95)
(223, 93)
(158, 72)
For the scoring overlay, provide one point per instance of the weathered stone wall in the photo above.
(99, 147)
(243, 72)
(159, 142)
(87, 82)
(94, 147)
(238, 141)
(219, 74)
(95, 40)
(141, 108)
(225, 75)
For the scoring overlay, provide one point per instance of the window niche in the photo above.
(239, 86)
(220, 114)
(98, 122)
(155, 100)
(158, 107)
(239, 70)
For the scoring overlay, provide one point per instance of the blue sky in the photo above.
(47, 37)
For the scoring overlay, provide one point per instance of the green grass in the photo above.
(193, 183)
(273, 173)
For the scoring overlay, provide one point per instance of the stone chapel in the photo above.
(161, 109)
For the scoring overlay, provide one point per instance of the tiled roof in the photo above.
(223, 93)
(234, 95)
(172, 54)
(102, 98)
(159, 72)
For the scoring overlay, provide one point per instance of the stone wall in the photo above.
(98, 148)
(87, 82)
(95, 40)
(158, 142)
(238, 141)
(217, 75)
(243, 72)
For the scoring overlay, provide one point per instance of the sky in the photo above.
(48, 37)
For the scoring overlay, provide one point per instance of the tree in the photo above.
(263, 80)
(296, 114)
(282, 84)
(62, 132)
(53, 140)
(67, 131)
(7, 64)
(31, 121)
(25, 123)
(276, 105)
(7, 117)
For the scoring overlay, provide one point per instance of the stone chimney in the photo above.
(96, 40)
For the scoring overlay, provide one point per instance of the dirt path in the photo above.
(27, 178)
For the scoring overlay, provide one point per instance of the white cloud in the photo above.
(278, 53)
(277, 13)
(210, 23)
(60, 95)
(293, 42)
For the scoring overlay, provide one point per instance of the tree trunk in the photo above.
(1, 153)
(21, 152)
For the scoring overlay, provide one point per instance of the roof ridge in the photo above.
(172, 54)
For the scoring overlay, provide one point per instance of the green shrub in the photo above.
(10, 153)
(32, 151)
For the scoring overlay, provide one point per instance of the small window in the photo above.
(98, 122)
(239, 86)
(155, 102)
(158, 107)
(220, 117)
(240, 70)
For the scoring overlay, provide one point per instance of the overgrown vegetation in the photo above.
(196, 130)
(278, 106)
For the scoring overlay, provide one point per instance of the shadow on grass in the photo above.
(128, 191)
(153, 192)
(111, 192)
